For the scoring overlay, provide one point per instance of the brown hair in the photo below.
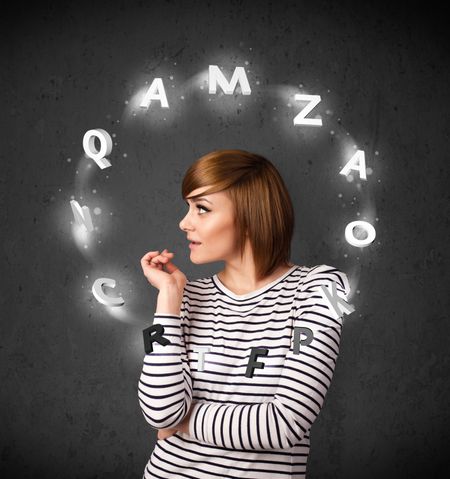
(262, 204)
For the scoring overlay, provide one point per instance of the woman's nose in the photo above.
(183, 224)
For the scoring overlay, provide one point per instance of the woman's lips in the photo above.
(194, 245)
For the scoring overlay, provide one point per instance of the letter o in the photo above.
(349, 236)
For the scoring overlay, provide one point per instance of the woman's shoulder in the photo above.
(324, 274)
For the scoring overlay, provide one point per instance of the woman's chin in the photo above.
(196, 260)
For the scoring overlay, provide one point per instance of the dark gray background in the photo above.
(69, 369)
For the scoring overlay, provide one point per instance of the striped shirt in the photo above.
(254, 427)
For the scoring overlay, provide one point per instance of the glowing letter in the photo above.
(349, 236)
(334, 300)
(82, 215)
(101, 297)
(313, 101)
(297, 341)
(216, 76)
(155, 91)
(356, 162)
(252, 364)
(105, 146)
(158, 337)
(201, 360)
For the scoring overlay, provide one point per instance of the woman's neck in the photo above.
(243, 283)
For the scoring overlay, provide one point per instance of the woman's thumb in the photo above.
(170, 267)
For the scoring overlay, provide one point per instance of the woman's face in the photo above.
(210, 221)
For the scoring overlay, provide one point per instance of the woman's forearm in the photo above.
(169, 301)
(166, 366)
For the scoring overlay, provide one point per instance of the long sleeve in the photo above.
(283, 421)
(165, 384)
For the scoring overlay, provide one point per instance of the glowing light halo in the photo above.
(200, 79)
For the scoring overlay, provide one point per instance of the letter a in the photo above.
(356, 162)
(156, 91)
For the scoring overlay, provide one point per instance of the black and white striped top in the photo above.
(242, 427)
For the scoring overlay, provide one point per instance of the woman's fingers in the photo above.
(159, 269)
(159, 260)
(153, 255)
(154, 259)
(163, 257)
(149, 256)
(146, 261)
(164, 433)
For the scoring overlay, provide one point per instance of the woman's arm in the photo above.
(182, 427)
(165, 384)
(283, 421)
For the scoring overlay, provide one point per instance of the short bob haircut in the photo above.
(262, 205)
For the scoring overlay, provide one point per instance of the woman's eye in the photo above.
(200, 207)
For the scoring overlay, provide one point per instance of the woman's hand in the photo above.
(182, 427)
(152, 265)
(164, 433)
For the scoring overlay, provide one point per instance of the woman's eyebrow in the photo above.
(198, 199)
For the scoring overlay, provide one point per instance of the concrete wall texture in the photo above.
(69, 367)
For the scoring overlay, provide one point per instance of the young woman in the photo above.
(232, 394)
